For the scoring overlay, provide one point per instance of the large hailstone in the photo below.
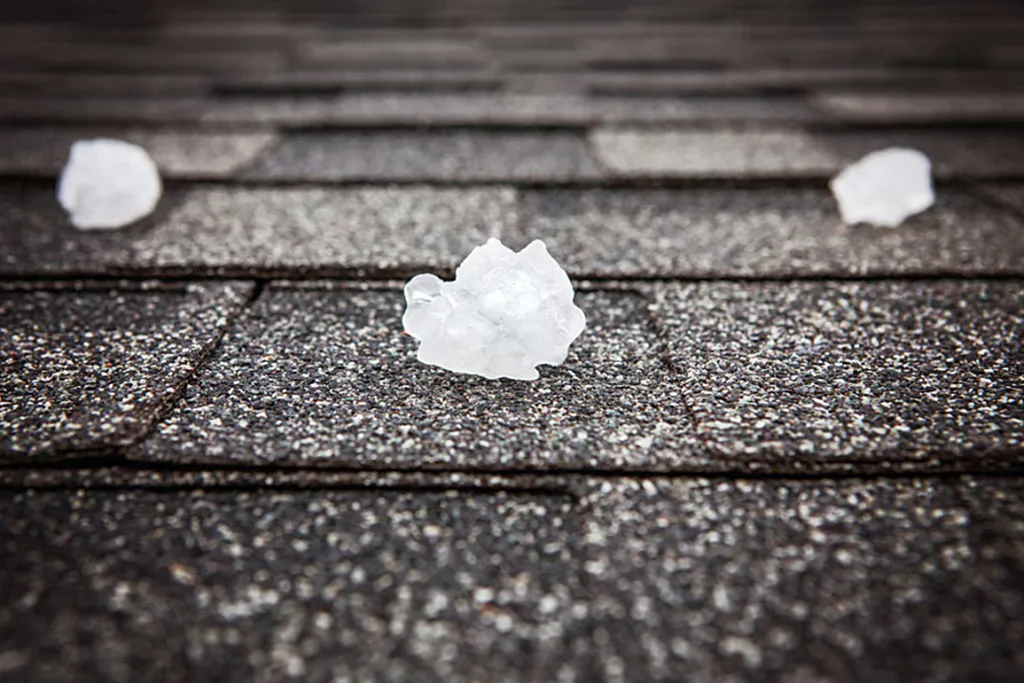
(108, 184)
(884, 188)
(504, 314)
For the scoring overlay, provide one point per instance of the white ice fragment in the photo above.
(504, 314)
(884, 188)
(108, 184)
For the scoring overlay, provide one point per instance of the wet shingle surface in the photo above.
(324, 376)
(460, 155)
(831, 580)
(269, 587)
(87, 370)
(813, 375)
(764, 232)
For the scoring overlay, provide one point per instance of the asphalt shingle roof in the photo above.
(783, 448)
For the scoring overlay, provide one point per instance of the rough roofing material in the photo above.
(324, 376)
(189, 154)
(223, 229)
(904, 579)
(87, 370)
(804, 375)
(456, 155)
(793, 153)
(133, 110)
(105, 84)
(392, 231)
(762, 80)
(496, 109)
(826, 580)
(918, 108)
(772, 232)
(341, 80)
(37, 238)
(1011, 194)
(712, 153)
(284, 479)
(266, 586)
(370, 229)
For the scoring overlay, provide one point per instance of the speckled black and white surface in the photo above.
(830, 580)
(324, 376)
(782, 450)
(631, 580)
(552, 108)
(265, 586)
(803, 374)
(790, 153)
(457, 155)
(764, 233)
(370, 229)
(88, 369)
(394, 231)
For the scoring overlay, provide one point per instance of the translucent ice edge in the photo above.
(503, 315)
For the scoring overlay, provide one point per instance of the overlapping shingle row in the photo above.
(271, 487)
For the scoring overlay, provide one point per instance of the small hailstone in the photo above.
(108, 184)
(884, 188)
(504, 314)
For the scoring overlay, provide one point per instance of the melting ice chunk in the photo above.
(108, 184)
(504, 314)
(884, 188)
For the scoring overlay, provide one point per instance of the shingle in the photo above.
(178, 153)
(375, 110)
(325, 376)
(899, 108)
(103, 84)
(955, 153)
(35, 110)
(266, 586)
(36, 237)
(137, 476)
(339, 80)
(900, 579)
(130, 84)
(712, 153)
(220, 229)
(788, 80)
(457, 155)
(763, 232)
(114, 55)
(1010, 194)
(544, 82)
(885, 374)
(825, 580)
(87, 370)
(342, 231)
(773, 153)
(496, 109)
(409, 51)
